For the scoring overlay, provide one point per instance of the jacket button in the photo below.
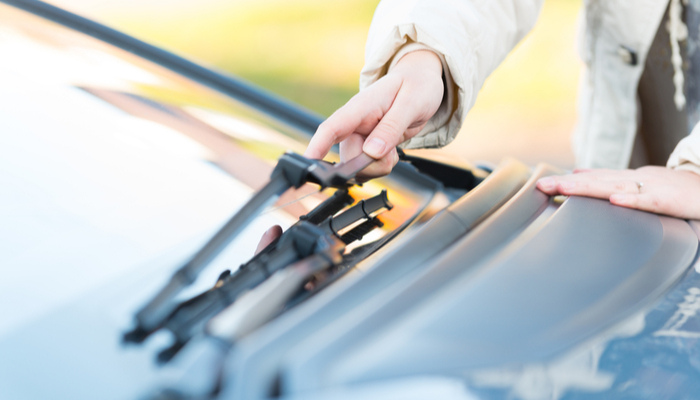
(627, 55)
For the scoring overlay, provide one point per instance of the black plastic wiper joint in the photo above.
(292, 170)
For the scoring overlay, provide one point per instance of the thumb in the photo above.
(390, 131)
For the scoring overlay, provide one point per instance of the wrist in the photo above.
(422, 59)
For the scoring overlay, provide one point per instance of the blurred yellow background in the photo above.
(311, 52)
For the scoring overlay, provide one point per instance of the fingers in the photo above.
(359, 127)
(380, 167)
(642, 201)
(385, 114)
(652, 202)
(599, 183)
(352, 147)
(389, 132)
(360, 115)
(268, 237)
(416, 101)
(571, 185)
(334, 130)
(654, 189)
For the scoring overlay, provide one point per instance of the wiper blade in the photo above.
(292, 170)
(301, 241)
(257, 307)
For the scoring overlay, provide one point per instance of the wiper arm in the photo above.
(292, 170)
(301, 241)
(255, 308)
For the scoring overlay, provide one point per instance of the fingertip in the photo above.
(375, 147)
(313, 153)
(320, 144)
(332, 131)
(547, 185)
(268, 237)
(275, 231)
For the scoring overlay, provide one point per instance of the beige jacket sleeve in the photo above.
(686, 155)
(471, 37)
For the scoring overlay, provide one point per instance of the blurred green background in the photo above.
(311, 52)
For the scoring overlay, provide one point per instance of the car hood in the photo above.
(119, 160)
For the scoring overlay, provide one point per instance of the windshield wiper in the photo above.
(304, 240)
(256, 307)
(292, 170)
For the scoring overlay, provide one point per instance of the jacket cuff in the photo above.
(686, 155)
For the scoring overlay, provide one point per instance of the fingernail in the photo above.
(374, 147)
(545, 183)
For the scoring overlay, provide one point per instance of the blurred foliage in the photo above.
(310, 51)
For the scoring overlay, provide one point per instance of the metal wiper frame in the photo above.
(303, 240)
(255, 307)
(292, 170)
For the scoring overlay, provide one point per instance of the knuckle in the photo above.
(349, 150)
(623, 186)
(389, 130)
(328, 128)
(654, 203)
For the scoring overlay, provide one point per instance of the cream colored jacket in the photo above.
(473, 36)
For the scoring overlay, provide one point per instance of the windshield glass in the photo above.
(112, 164)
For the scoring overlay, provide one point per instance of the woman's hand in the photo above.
(268, 237)
(655, 189)
(390, 111)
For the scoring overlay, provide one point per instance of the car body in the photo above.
(119, 160)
